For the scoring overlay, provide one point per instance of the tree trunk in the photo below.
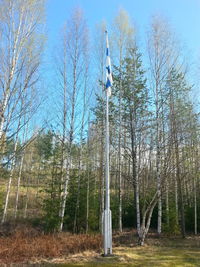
(18, 185)
(13, 163)
(195, 207)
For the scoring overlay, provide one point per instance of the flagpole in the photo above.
(107, 212)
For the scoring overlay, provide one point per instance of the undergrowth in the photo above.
(28, 244)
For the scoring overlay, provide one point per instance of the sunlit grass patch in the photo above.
(148, 256)
(65, 250)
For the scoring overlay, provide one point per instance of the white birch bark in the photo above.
(88, 190)
(18, 185)
(167, 201)
(27, 187)
(123, 35)
(75, 45)
(20, 174)
(13, 163)
(195, 207)
(18, 23)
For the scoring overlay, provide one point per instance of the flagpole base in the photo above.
(107, 232)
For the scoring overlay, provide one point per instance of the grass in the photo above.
(27, 245)
(34, 203)
(32, 248)
(147, 256)
(158, 252)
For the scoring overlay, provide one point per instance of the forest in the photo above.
(52, 133)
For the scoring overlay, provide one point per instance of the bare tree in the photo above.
(19, 52)
(123, 33)
(71, 73)
(162, 58)
(100, 59)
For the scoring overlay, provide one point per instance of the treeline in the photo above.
(54, 174)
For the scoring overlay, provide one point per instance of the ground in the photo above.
(32, 248)
(163, 251)
(147, 256)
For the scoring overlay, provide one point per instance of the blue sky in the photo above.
(184, 16)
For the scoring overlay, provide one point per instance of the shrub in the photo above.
(24, 245)
(51, 218)
(173, 227)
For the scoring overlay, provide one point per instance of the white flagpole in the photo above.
(107, 212)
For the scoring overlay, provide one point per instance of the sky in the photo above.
(184, 16)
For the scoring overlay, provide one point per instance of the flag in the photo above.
(109, 80)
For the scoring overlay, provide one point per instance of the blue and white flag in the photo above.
(109, 80)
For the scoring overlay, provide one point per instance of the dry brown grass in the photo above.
(30, 245)
(25, 245)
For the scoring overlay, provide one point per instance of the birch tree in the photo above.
(20, 52)
(100, 59)
(122, 38)
(20, 24)
(74, 44)
(162, 57)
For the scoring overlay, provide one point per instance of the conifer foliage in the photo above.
(52, 172)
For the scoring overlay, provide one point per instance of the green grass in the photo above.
(148, 256)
